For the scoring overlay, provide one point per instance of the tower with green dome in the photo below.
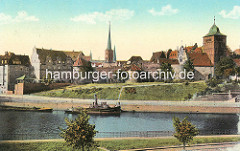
(214, 44)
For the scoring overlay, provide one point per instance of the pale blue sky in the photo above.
(139, 27)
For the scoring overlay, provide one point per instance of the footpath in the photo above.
(230, 146)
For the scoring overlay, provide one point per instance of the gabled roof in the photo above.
(200, 59)
(11, 59)
(80, 62)
(54, 54)
(135, 59)
(157, 55)
(88, 58)
(74, 54)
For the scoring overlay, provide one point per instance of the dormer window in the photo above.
(16, 62)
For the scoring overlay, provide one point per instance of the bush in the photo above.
(213, 82)
(79, 133)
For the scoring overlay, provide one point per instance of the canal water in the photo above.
(37, 125)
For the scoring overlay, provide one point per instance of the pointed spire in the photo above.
(109, 46)
(90, 55)
(214, 20)
(114, 54)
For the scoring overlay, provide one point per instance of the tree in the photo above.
(48, 80)
(167, 68)
(184, 131)
(225, 67)
(188, 66)
(168, 53)
(79, 132)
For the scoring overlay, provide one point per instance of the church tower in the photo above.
(109, 51)
(214, 44)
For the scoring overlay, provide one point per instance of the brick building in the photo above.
(214, 44)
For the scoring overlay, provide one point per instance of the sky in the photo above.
(138, 27)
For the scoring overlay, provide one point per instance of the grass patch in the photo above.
(158, 142)
(113, 144)
(37, 146)
(134, 91)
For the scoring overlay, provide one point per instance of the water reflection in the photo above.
(12, 122)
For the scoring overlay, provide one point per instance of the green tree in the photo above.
(168, 53)
(184, 130)
(48, 80)
(213, 82)
(166, 67)
(225, 67)
(79, 132)
(188, 66)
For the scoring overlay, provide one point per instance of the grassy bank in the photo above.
(116, 144)
(135, 91)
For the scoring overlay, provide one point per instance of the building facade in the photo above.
(54, 60)
(12, 66)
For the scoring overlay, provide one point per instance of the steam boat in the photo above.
(95, 108)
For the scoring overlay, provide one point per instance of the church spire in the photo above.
(90, 55)
(214, 20)
(114, 54)
(109, 45)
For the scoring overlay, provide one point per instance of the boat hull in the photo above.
(102, 111)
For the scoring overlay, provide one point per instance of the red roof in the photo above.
(173, 55)
(198, 50)
(189, 48)
(200, 59)
(193, 49)
(237, 61)
(135, 68)
(237, 51)
(88, 58)
(80, 62)
(171, 61)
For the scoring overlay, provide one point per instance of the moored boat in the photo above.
(95, 108)
(14, 108)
